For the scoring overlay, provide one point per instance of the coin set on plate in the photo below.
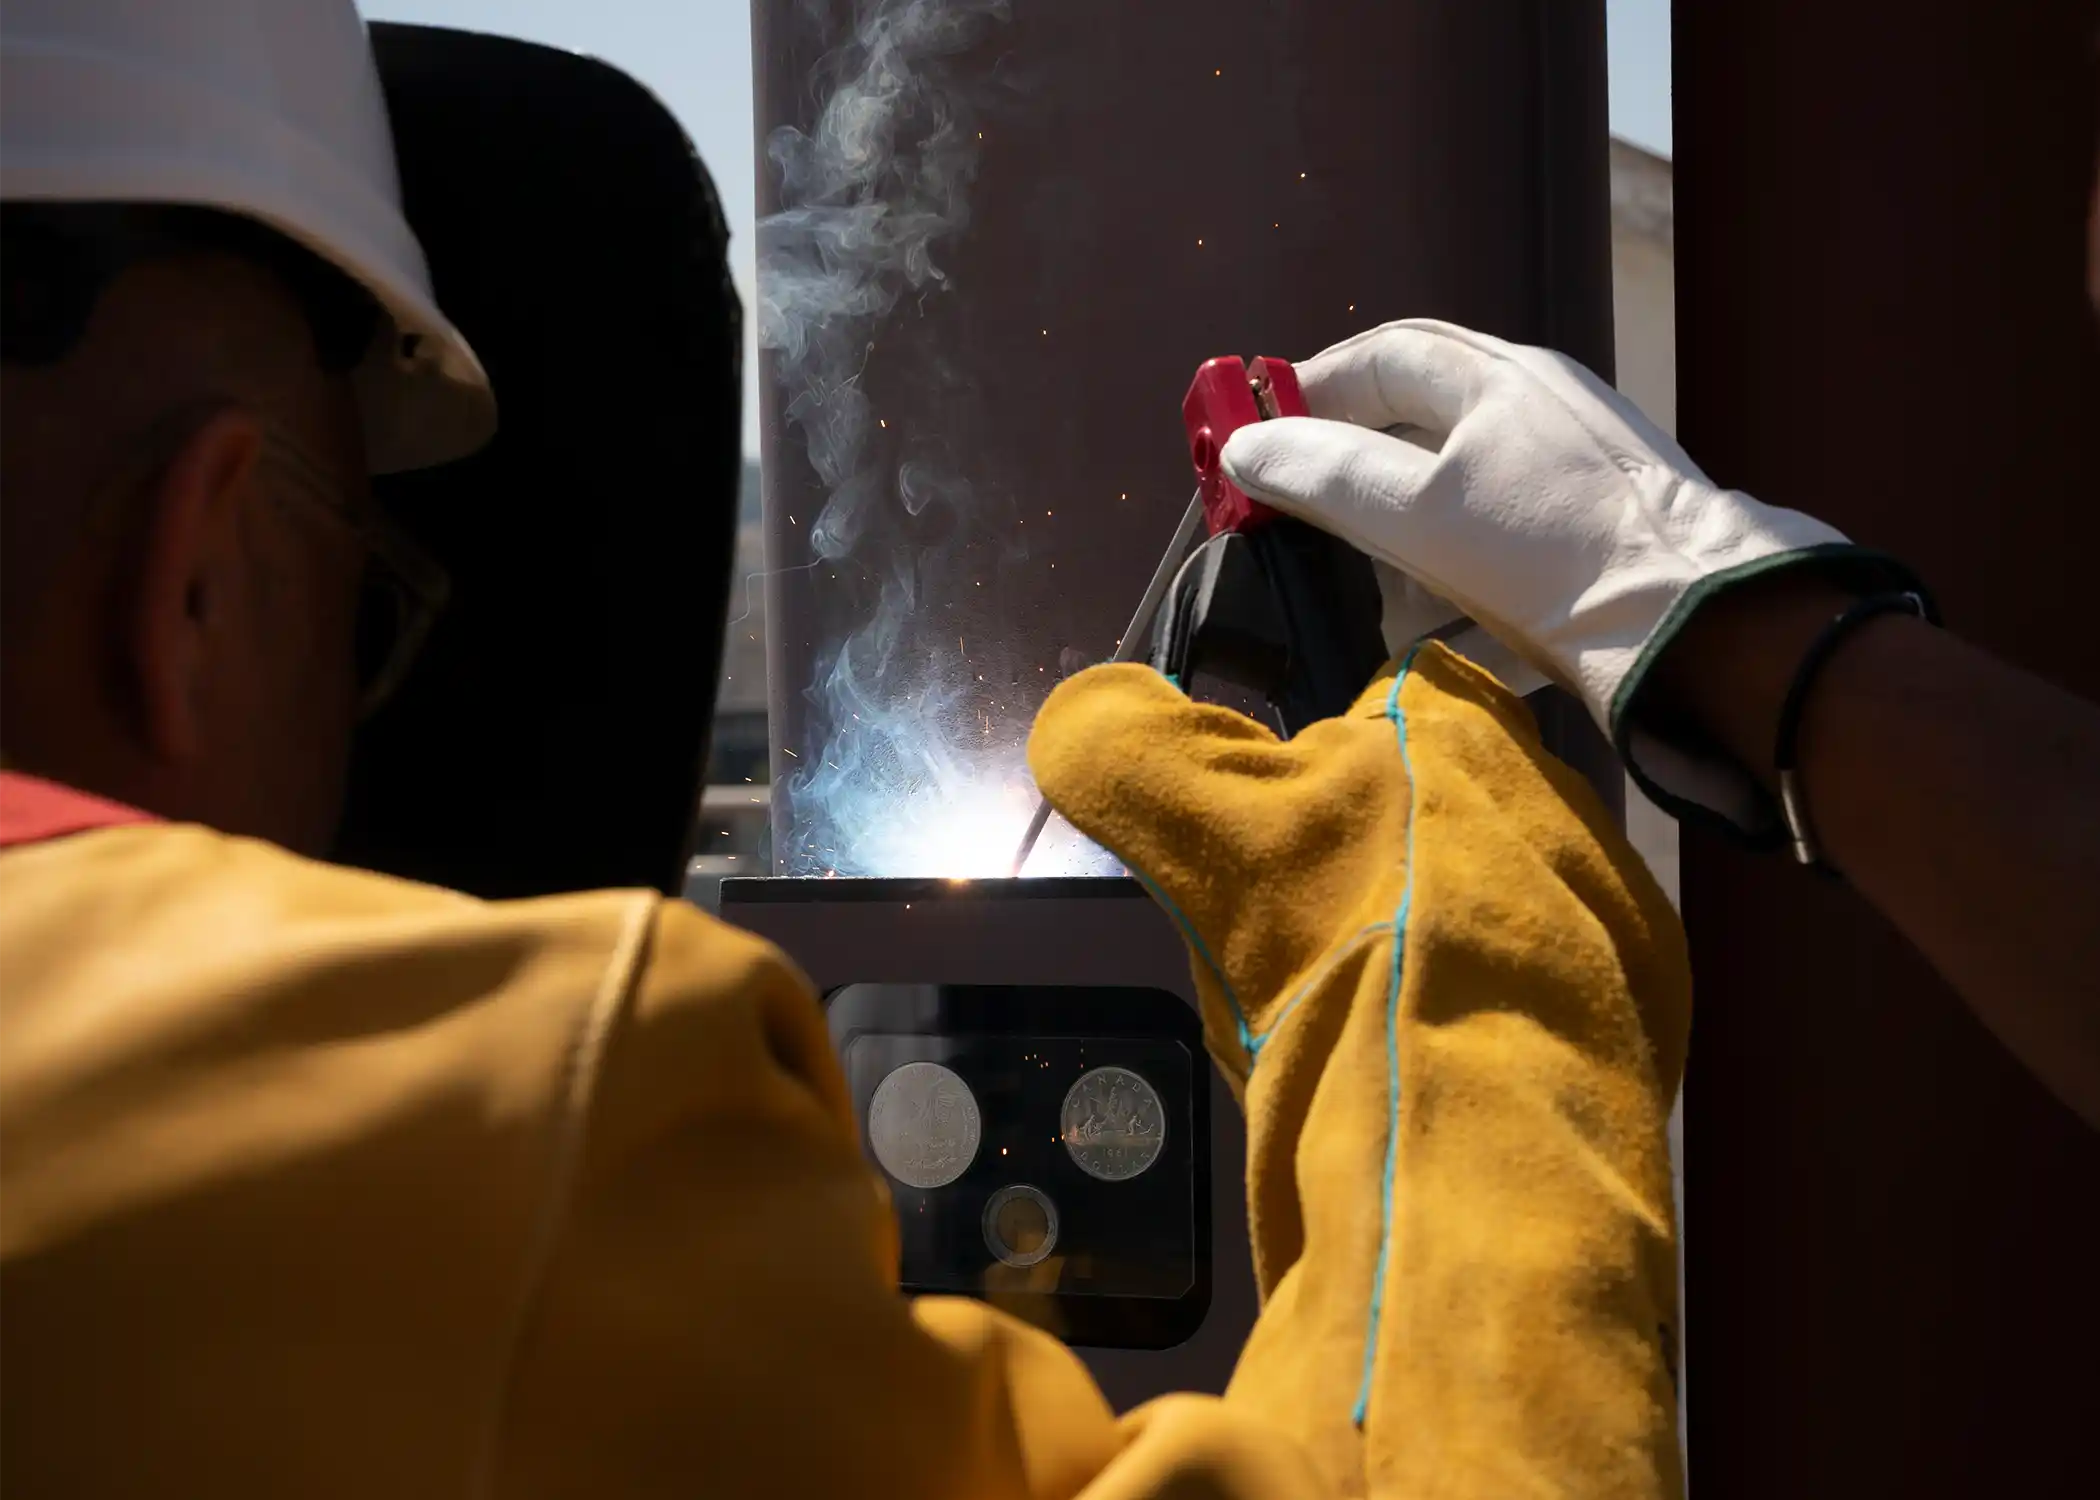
(924, 1127)
(1044, 1149)
(1049, 1163)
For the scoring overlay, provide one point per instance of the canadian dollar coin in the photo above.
(1113, 1124)
(923, 1125)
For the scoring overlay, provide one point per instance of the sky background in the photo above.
(696, 56)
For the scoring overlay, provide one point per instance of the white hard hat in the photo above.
(265, 108)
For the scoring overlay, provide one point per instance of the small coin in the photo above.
(923, 1125)
(1113, 1124)
(1020, 1224)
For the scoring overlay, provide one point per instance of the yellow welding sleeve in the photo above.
(1455, 1006)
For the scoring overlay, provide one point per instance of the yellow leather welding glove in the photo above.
(1454, 1004)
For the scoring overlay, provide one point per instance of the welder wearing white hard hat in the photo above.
(319, 1182)
(218, 324)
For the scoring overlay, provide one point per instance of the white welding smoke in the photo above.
(913, 763)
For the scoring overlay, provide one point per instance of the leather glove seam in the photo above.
(1195, 941)
(1332, 961)
(1375, 1314)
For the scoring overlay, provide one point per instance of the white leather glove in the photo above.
(1518, 486)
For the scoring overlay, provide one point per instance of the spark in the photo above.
(1301, 177)
(1199, 244)
(1046, 333)
(884, 421)
(785, 751)
(1352, 307)
(1218, 73)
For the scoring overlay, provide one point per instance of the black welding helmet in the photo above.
(553, 734)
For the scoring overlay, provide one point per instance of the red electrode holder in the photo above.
(1225, 396)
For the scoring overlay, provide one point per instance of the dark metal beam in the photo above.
(1156, 185)
(1881, 319)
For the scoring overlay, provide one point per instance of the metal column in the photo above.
(1882, 319)
(1148, 186)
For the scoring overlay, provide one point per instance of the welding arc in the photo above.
(1132, 646)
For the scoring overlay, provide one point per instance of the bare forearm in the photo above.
(1958, 794)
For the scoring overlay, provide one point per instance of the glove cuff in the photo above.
(1695, 782)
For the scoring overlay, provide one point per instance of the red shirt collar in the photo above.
(33, 809)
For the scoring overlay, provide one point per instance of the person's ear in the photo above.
(187, 572)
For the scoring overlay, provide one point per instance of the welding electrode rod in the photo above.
(1132, 646)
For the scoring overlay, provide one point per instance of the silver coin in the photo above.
(1113, 1124)
(1020, 1224)
(923, 1125)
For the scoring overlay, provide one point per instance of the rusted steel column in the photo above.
(1881, 319)
(1081, 202)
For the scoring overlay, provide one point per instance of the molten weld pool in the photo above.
(1028, 1072)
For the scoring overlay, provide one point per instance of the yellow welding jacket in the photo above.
(417, 1173)
(315, 1181)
